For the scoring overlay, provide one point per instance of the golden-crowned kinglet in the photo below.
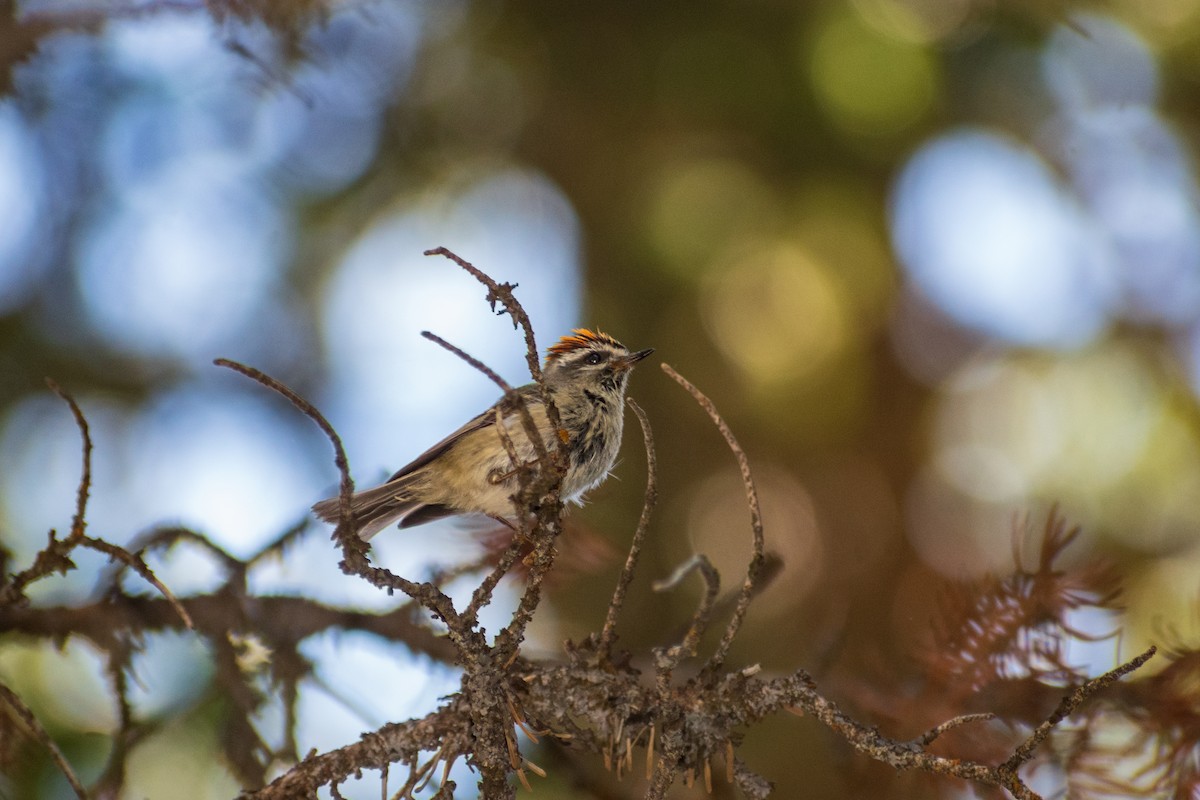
(470, 471)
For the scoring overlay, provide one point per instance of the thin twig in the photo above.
(163, 538)
(512, 399)
(25, 715)
(501, 293)
(139, 566)
(928, 737)
(353, 549)
(483, 593)
(56, 555)
(309, 410)
(79, 521)
(712, 585)
(756, 525)
(1068, 705)
(608, 633)
(470, 359)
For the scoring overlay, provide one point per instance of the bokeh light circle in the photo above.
(986, 231)
(870, 84)
(775, 312)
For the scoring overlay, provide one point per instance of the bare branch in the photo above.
(501, 293)
(756, 526)
(139, 566)
(928, 737)
(1068, 705)
(470, 359)
(483, 593)
(608, 633)
(55, 557)
(600, 705)
(354, 559)
(79, 521)
(486, 668)
(700, 619)
(23, 713)
(310, 411)
(445, 729)
(905, 755)
(285, 621)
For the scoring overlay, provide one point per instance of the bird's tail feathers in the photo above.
(373, 509)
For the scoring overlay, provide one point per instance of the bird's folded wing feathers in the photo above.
(484, 420)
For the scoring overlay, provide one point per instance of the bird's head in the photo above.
(587, 358)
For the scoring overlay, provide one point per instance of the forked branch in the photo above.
(754, 568)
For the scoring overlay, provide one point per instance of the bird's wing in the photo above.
(529, 393)
(484, 420)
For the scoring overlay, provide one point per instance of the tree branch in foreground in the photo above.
(684, 725)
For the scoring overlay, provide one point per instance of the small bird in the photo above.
(470, 471)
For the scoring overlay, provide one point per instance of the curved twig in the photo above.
(470, 359)
(55, 556)
(309, 410)
(700, 619)
(22, 712)
(756, 524)
(1071, 702)
(930, 736)
(608, 633)
(135, 563)
(503, 293)
(354, 559)
(79, 521)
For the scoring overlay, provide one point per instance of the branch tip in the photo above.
(754, 567)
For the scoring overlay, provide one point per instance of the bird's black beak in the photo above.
(628, 361)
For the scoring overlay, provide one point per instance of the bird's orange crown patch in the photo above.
(581, 339)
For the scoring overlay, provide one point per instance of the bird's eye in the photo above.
(593, 358)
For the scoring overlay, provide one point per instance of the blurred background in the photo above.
(937, 262)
